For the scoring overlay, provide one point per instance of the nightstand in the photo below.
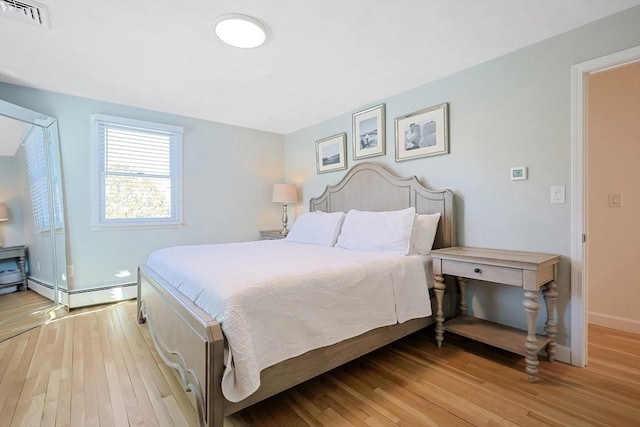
(271, 235)
(18, 253)
(527, 270)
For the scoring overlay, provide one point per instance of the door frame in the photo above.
(579, 279)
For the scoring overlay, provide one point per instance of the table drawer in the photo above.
(490, 273)
(11, 253)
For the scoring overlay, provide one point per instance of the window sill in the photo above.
(135, 226)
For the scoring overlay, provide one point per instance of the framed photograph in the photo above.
(331, 153)
(423, 133)
(369, 133)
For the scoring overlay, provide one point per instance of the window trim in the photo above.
(98, 220)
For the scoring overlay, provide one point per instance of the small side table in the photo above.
(18, 253)
(271, 235)
(527, 270)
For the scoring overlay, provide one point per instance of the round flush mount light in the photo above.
(240, 30)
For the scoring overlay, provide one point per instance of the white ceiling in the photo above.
(321, 59)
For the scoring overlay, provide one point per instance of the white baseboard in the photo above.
(41, 289)
(563, 354)
(103, 295)
(615, 322)
(86, 297)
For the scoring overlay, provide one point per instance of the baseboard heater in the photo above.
(101, 295)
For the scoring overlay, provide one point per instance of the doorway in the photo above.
(613, 190)
(580, 196)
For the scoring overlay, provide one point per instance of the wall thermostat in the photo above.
(519, 173)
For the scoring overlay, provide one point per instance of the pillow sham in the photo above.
(316, 228)
(377, 231)
(424, 231)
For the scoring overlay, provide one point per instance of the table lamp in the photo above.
(285, 193)
(4, 216)
(4, 212)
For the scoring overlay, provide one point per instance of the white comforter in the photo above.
(276, 299)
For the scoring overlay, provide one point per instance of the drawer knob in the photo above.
(477, 270)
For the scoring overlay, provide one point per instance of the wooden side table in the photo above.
(271, 235)
(18, 253)
(527, 270)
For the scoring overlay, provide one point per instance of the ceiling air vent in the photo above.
(28, 11)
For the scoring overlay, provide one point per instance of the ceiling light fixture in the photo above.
(240, 30)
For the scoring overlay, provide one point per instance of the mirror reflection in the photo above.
(32, 232)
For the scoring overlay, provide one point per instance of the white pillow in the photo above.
(316, 228)
(377, 231)
(424, 233)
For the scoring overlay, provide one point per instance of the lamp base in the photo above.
(284, 230)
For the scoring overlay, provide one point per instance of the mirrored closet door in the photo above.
(32, 227)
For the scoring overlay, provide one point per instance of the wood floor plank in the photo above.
(63, 406)
(132, 357)
(34, 413)
(113, 389)
(19, 304)
(23, 311)
(51, 397)
(97, 366)
(17, 375)
(304, 408)
(118, 343)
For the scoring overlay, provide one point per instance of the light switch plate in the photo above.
(558, 194)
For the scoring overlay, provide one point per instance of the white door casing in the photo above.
(579, 279)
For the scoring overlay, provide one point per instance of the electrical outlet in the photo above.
(615, 200)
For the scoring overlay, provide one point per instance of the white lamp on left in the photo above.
(4, 216)
(285, 194)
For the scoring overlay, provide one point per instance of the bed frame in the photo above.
(191, 341)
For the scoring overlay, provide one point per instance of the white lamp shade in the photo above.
(4, 212)
(285, 193)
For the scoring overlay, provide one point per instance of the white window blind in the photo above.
(36, 170)
(39, 154)
(139, 173)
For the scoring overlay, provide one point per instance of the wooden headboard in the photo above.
(371, 187)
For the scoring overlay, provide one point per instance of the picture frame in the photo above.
(369, 135)
(422, 133)
(331, 153)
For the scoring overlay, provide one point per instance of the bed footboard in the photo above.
(188, 340)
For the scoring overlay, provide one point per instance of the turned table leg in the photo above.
(550, 294)
(439, 288)
(531, 308)
(24, 285)
(462, 284)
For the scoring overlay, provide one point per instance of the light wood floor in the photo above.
(98, 367)
(21, 311)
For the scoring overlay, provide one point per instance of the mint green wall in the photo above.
(228, 177)
(11, 232)
(511, 111)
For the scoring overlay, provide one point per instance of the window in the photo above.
(40, 152)
(138, 173)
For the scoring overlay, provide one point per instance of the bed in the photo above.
(192, 342)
